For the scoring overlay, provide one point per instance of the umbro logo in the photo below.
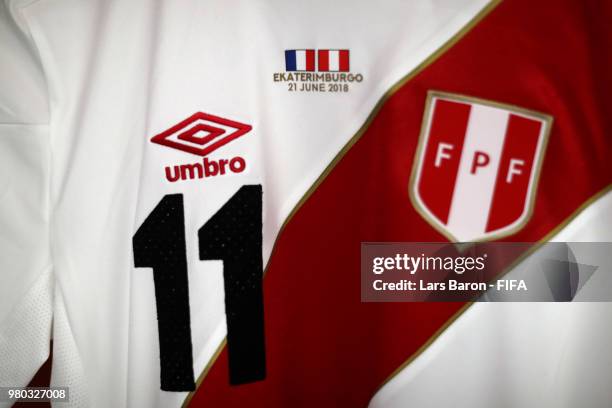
(202, 134)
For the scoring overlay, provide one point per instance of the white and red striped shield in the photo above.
(477, 166)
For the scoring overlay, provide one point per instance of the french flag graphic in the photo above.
(300, 60)
(333, 60)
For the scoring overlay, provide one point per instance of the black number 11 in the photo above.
(232, 235)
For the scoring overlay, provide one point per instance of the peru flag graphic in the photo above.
(477, 166)
(333, 60)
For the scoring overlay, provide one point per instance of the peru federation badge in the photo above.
(476, 168)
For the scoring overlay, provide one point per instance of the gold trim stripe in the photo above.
(428, 61)
(205, 372)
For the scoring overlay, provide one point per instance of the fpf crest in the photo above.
(477, 166)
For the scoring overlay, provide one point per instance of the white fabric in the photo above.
(26, 276)
(24, 334)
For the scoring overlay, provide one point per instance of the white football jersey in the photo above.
(184, 187)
